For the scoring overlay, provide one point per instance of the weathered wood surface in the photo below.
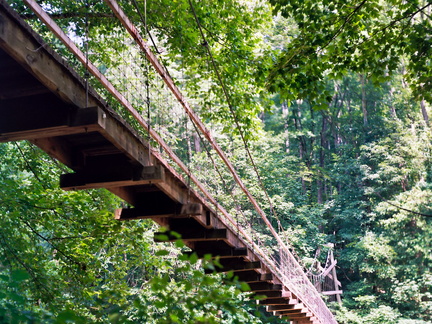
(44, 101)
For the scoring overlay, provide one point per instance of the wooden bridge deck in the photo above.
(44, 101)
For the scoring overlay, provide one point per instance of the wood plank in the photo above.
(180, 211)
(115, 176)
(333, 292)
(56, 148)
(264, 286)
(269, 294)
(278, 308)
(330, 268)
(298, 316)
(273, 301)
(295, 316)
(253, 276)
(294, 311)
(64, 120)
(202, 235)
(238, 264)
(217, 249)
(150, 204)
(192, 209)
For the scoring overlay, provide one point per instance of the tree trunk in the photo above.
(320, 182)
(363, 99)
(392, 107)
(197, 143)
(285, 118)
(424, 112)
(302, 142)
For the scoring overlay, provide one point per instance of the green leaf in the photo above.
(19, 275)
(162, 253)
(193, 258)
(179, 243)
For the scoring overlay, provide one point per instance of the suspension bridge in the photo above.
(47, 102)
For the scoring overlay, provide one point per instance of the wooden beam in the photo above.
(64, 120)
(220, 248)
(285, 307)
(298, 316)
(152, 204)
(293, 312)
(201, 235)
(273, 301)
(192, 209)
(333, 292)
(114, 176)
(269, 294)
(253, 276)
(56, 148)
(180, 211)
(238, 264)
(304, 313)
(330, 268)
(264, 286)
(336, 283)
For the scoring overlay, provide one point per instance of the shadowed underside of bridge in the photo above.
(42, 100)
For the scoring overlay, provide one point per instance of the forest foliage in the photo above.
(333, 98)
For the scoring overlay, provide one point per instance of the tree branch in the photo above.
(402, 208)
(68, 15)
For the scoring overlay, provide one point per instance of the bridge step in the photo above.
(221, 252)
(298, 317)
(252, 276)
(202, 235)
(304, 313)
(273, 301)
(270, 294)
(238, 264)
(195, 210)
(27, 121)
(287, 307)
(264, 286)
(114, 176)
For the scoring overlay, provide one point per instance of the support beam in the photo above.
(177, 211)
(264, 286)
(269, 294)
(293, 312)
(219, 249)
(30, 122)
(333, 292)
(114, 176)
(238, 264)
(253, 276)
(297, 317)
(273, 301)
(285, 307)
(199, 235)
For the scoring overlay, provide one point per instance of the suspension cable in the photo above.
(49, 22)
(119, 13)
(234, 115)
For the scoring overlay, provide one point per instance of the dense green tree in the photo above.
(332, 38)
(64, 258)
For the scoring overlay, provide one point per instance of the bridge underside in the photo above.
(44, 101)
